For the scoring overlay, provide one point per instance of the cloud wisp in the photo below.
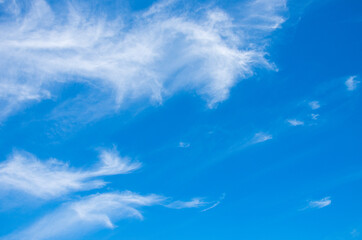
(52, 178)
(184, 145)
(194, 203)
(314, 105)
(215, 203)
(351, 83)
(295, 122)
(315, 116)
(324, 202)
(146, 55)
(261, 137)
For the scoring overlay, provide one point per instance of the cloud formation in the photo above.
(261, 137)
(94, 212)
(295, 122)
(148, 55)
(314, 105)
(314, 116)
(215, 203)
(97, 211)
(324, 202)
(351, 83)
(184, 145)
(194, 203)
(52, 178)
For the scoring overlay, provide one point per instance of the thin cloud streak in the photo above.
(295, 122)
(194, 203)
(324, 202)
(261, 137)
(215, 204)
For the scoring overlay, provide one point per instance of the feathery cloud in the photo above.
(260, 137)
(52, 178)
(147, 55)
(324, 202)
(94, 212)
(194, 203)
(88, 214)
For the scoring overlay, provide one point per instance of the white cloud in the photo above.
(314, 105)
(14, 95)
(147, 55)
(295, 122)
(52, 178)
(261, 137)
(194, 203)
(352, 83)
(78, 218)
(324, 202)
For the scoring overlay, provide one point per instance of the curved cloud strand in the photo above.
(51, 179)
(147, 55)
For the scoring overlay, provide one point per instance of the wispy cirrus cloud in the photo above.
(80, 217)
(52, 178)
(324, 202)
(184, 144)
(314, 105)
(91, 213)
(351, 83)
(295, 122)
(215, 204)
(261, 137)
(194, 203)
(146, 55)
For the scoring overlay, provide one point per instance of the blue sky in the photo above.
(180, 119)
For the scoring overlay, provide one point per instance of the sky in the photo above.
(180, 119)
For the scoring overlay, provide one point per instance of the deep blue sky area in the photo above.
(277, 157)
